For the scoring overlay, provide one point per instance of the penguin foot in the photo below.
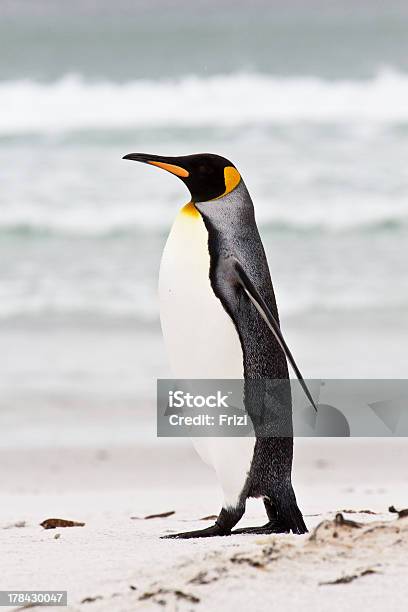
(209, 532)
(274, 526)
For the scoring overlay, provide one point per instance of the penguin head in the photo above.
(207, 176)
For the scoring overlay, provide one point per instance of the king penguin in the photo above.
(220, 321)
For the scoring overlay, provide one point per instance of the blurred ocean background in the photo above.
(310, 101)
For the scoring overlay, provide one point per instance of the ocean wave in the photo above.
(73, 103)
(122, 230)
(102, 308)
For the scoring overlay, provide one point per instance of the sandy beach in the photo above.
(80, 444)
(118, 562)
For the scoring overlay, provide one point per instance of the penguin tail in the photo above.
(288, 512)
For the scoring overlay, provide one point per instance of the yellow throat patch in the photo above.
(190, 210)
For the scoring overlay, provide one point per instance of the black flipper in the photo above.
(270, 320)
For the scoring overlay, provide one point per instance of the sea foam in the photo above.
(73, 103)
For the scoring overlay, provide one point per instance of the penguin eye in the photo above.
(205, 170)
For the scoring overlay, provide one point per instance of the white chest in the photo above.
(200, 337)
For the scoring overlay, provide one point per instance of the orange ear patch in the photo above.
(177, 170)
(232, 178)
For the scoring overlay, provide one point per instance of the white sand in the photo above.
(114, 552)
